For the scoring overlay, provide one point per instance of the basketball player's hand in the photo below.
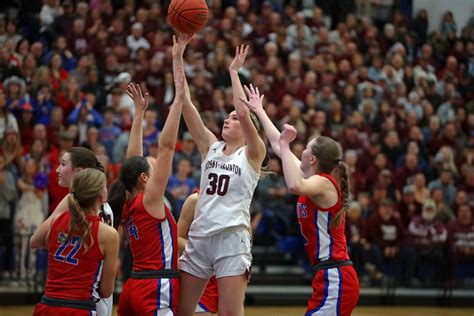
(180, 43)
(288, 134)
(139, 100)
(254, 102)
(239, 59)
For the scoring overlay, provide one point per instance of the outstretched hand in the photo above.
(254, 102)
(288, 134)
(239, 59)
(140, 101)
(179, 44)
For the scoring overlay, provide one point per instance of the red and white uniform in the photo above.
(73, 273)
(210, 298)
(335, 290)
(154, 246)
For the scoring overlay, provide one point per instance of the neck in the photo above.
(230, 148)
(133, 194)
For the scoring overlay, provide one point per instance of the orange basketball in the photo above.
(188, 16)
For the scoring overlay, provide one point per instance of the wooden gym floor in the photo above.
(298, 311)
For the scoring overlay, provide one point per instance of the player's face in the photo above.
(65, 171)
(231, 128)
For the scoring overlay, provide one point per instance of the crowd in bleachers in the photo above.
(399, 99)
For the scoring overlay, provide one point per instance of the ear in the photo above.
(313, 161)
(144, 177)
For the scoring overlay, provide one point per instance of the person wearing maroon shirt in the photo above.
(429, 236)
(386, 236)
(368, 155)
(408, 207)
(461, 241)
(409, 169)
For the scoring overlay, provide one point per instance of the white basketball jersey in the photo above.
(105, 305)
(227, 187)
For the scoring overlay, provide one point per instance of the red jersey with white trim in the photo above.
(323, 242)
(154, 242)
(73, 273)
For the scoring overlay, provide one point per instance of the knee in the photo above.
(185, 310)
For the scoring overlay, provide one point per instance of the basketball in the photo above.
(188, 16)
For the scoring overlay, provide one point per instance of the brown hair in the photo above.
(264, 168)
(86, 188)
(329, 154)
(82, 157)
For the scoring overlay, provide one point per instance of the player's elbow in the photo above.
(35, 243)
(106, 290)
(294, 188)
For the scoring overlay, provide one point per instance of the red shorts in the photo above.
(146, 296)
(209, 299)
(46, 310)
(335, 292)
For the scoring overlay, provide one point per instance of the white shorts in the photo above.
(224, 254)
(104, 306)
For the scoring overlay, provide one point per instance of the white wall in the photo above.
(462, 11)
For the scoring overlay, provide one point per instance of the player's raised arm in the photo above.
(202, 136)
(255, 104)
(156, 185)
(255, 147)
(135, 145)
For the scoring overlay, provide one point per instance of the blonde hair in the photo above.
(329, 154)
(86, 187)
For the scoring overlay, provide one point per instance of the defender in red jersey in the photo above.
(82, 251)
(150, 229)
(209, 299)
(72, 161)
(320, 212)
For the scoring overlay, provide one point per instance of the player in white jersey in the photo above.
(72, 161)
(219, 241)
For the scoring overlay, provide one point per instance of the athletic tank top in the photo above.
(154, 242)
(72, 272)
(322, 242)
(226, 190)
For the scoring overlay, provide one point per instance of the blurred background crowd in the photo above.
(398, 97)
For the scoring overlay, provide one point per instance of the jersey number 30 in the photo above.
(69, 257)
(218, 184)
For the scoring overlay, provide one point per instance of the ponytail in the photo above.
(344, 183)
(116, 200)
(79, 223)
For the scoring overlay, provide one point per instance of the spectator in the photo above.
(84, 115)
(8, 194)
(386, 238)
(7, 119)
(429, 236)
(448, 25)
(354, 230)
(58, 73)
(181, 184)
(420, 190)
(109, 132)
(136, 39)
(188, 151)
(461, 238)
(445, 183)
(408, 207)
